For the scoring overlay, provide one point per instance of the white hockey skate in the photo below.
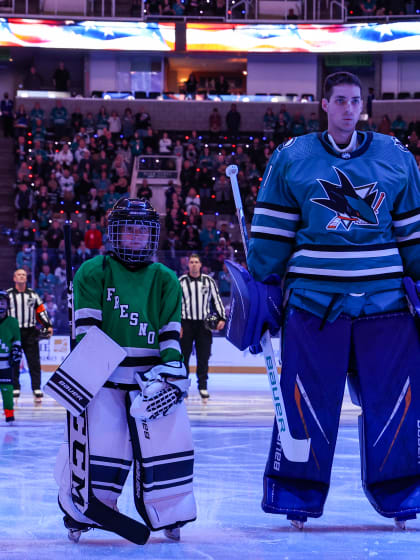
(174, 534)
(75, 529)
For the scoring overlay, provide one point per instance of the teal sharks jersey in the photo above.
(338, 222)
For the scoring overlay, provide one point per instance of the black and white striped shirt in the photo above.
(26, 307)
(197, 295)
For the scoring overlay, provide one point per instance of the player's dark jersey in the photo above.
(9, 336)
(139, 309)
(338, 223)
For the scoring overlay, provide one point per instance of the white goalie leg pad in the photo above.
(100, 453)
(163, 468)
(81, 375)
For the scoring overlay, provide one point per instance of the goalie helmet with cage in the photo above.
(4, 304)
(133, 230)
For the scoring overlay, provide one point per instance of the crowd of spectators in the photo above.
(75, 166)
(369, 8)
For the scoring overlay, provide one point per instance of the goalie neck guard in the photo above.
(133, 230)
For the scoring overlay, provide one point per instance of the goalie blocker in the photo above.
(255, 306)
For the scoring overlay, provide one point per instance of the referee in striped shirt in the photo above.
(199, 291)
(27, 307)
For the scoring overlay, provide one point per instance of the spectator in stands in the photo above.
(24, 257)
(33, 80)
(47, 281)
(64, 156)
(233, 122)
(76, 234)
(115, 126)
(190, 239)
(165, 144)
(191, 84)
(385, 125)
(192, 199)
(399, 128)
(76, 121)
(250, 202)
(89, 123)
(93, 238)
(298, 126)
(143, 122)
(54, 235)
(150, 141)
(291, 14)
(23, 201)
(209, 236)
(240, 158)
(222, 85)
(127, 123)
(7, 115)
(173, 220)
(187, 175)
(224, 282)
(119, 167)
(36, 113)
(171, 246)
(191, 153)
(83, 253)
(121, 186)
(60, 273)
(125, 151)
(178, 8)
(102, 119)
(66, 184)
(110, 198)
(21, 120)
(313, 123)
(136, 145)
(61, 78)
(44, 216)
(94, 208)
(178, 149)
(144, 191)
(269, 122)
(25, 234)
(59, 117)
(21, 150)
(224, 251)
(215, 123)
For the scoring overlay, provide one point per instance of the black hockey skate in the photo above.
(75, 528)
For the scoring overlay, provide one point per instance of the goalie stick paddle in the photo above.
(295, 450)
(108, 518)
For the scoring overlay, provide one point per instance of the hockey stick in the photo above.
(108, 518)
(295, 450)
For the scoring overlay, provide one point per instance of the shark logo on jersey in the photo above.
(352, 205)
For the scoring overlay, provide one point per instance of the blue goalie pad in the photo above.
(387, 353)
(314, 369)
(255, 306)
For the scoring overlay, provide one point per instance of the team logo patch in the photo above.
(399, 144)
(351, 205)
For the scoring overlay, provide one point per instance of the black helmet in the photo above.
(133, 230)
(4, 303)
(211, 321)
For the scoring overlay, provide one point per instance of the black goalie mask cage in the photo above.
(133, 230)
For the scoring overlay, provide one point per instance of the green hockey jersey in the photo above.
(139, 309)
(9, 336)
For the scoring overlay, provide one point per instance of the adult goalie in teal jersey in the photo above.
(138, 415)
(338, 219)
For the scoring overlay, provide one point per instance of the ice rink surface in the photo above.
(231, 434)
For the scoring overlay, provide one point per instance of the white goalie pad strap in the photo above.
(164, 459)
(78, 379)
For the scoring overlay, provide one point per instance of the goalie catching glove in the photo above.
(255, 306)
(162, 389)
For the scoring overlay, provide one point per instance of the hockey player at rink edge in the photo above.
(137, 414)
(338, 220)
